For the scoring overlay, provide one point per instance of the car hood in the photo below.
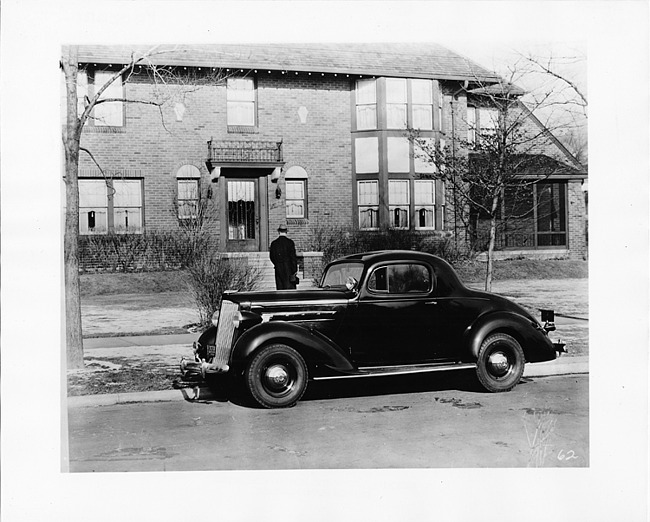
(289, 296)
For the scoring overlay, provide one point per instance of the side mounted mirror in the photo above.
(351, 283)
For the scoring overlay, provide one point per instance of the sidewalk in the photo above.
(563, 365)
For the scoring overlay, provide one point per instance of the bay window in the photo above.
(368, 203)
(425, 201)
(396, 103)
(366, 104)
(398, 203)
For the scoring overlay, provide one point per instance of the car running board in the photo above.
(383, 371)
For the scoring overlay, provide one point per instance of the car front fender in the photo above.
(533, 340)
(314, 347)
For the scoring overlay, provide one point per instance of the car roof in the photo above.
(391, 255)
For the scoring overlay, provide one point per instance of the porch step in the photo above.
(266, 277)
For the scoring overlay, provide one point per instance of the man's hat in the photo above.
(282, 228)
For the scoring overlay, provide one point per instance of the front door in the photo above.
(242, 220)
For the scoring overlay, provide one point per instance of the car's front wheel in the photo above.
(500, 363)
(276, 377)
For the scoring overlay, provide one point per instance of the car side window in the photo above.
(404, 278)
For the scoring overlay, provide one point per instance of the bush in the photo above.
(149, 251)
(211, 274)
(336, 242)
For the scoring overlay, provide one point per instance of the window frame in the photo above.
(237, 126)
(392, 207)
(419, 206)
(92, 88)
(373, 104)
(305, 210)
(111, 207)
(387, 292)
(361, 207)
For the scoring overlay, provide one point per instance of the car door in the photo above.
(395, 316)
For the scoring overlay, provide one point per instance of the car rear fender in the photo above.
(314, 347)
(533, 340)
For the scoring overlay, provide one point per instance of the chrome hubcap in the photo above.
(498, 364)
(277, 377)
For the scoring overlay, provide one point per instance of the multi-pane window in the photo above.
(422, 107)
(240, 101)
(396, 103)
(93, 206)
(368, 202)
(366, 102)
(127, 206)
(188, 198)
(108, 114)
(296, 197)
(188, 191)
(398, 203)
(425, 201)
(110, 205)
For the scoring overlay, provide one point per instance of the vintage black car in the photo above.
(373, 314)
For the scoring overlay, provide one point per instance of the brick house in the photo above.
(308, 135)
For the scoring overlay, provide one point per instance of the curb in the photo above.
(562, 366)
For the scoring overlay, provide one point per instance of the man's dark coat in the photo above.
(283, 257)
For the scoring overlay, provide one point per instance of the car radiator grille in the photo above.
(225, 331)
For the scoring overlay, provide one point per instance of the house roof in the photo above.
(412, 60)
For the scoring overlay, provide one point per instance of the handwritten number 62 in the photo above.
(566, 456)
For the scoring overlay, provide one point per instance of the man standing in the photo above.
(283, 257)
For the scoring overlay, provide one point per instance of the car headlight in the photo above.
(237, 319)
(215, 318)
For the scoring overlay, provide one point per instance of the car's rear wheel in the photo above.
(500, 363)
(276, 377)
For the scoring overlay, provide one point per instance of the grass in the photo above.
(103, 284)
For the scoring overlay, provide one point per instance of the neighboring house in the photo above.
(308, 135)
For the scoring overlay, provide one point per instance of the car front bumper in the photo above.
(192, 370)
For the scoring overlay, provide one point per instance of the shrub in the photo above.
(211, 274)
(336, 242)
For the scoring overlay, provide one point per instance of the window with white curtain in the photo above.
(399, 203)
(425, 200)
(240, 101)
(396, 103)
(368, 203)
(296, 191)
(422, 104)
(366, 104)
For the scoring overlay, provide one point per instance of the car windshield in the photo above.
(338, 274)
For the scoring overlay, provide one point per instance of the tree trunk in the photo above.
(490, 252)
(71, 142)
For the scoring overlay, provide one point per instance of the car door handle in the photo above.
(428, 303)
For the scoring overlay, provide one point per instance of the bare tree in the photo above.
(168, 85)
(492, 171)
